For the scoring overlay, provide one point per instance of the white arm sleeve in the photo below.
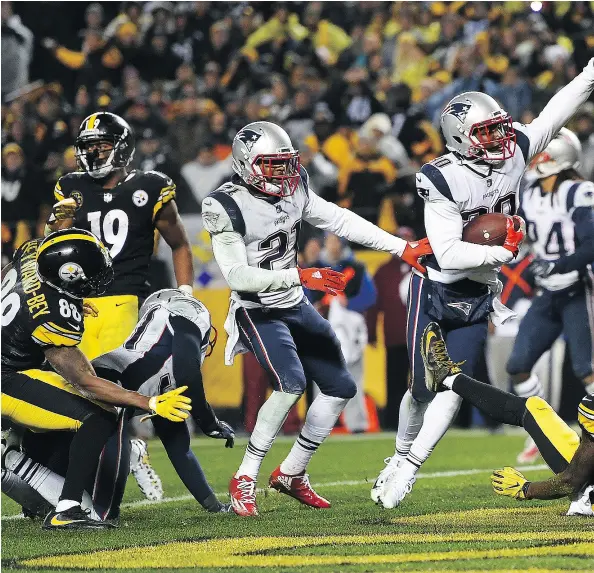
(443, 224)
(231, 255)
(346, 224)
(561, 107)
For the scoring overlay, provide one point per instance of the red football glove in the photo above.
(324, 279)
(514, 238)
(414, 251)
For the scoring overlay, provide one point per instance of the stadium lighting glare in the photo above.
(536, 6)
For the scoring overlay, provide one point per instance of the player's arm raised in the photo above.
(230, 253)
(169, 224)
(535, 136)
(73, 366)
(346, 224)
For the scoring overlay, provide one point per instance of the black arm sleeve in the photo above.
(187, 343)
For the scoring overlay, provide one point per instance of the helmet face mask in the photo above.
(264, 158)
(105, 142)
(493, 139)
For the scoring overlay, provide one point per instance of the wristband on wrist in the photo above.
(187, 289)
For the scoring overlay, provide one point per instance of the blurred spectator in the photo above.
(513, 93)
(206, 173)
(323, 174)
(131, 14)
(94, 17)
(391, 282)
(220, 135)
(583, 126)
(17, 48)
(379, 128)
(24, 198)
(299, 122)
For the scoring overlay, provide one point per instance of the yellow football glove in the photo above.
(89, 309)
(509, 481)
(171, 405)
(64, 209)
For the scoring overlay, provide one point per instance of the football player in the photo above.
(481, 174)
(165, 351)
(254, 222)
(557, 206)
(123, 208)
(571, 459)
(42, 311)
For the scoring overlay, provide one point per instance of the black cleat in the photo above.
(437, 361)
(74, 518)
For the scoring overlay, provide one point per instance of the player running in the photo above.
(42, 311)
(165, 351)
(571, 459)
(557, 206)
(123, 208)
(254, 223)
(480, 175)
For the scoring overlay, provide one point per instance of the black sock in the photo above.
(84, 452)
(501, 406)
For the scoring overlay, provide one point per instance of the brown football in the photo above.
(489, 229)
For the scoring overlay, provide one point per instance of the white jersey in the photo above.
(551, 227)
(255, 238)
(456, 190)
(144, 362)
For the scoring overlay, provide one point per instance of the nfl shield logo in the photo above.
(107, 197)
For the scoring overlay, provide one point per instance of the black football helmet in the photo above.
(104, 127)
(76, 262)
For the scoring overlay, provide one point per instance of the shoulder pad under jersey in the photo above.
(221, 211)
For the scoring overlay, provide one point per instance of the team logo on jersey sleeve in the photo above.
(70, 272)
(77, 196)
(140, 198)
(459, 110)
(249, 137)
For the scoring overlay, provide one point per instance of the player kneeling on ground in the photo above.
(571, 459)
(42, 312)
(165, 350)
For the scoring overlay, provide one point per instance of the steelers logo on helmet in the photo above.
(140, 198)
(71, 272)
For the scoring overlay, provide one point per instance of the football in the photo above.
(489, 229)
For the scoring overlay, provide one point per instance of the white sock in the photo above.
(16, 489)
(43, 480)
(530, 387)
(65, 505)
(439, 415)
(320, 420)
(271, 417)
(449, 381)
(410, 421)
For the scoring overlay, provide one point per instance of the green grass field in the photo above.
(452, 521)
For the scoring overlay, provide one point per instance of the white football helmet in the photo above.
(475, 126)
(563, 152)
(264, 158)
(162, 296)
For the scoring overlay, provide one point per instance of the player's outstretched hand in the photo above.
(222, 431)
(542, 269)
(510, 482)
(325, 280)
(172, 405)
(414, 250)
(514, 236)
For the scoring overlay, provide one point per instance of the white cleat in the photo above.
(378, 486)
(396, 489)
(530, 452)
(583, 505)
(140, 467)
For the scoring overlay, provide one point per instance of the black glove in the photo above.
(542, 269)
(221, 431)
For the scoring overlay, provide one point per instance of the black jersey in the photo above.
(586, 414)
(35, 316)
(123, 218)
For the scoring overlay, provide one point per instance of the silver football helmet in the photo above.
(563, 152)
(162, 296)
(264, 158)
(475, 126)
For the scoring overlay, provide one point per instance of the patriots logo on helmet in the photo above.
(459, 110)
(249, 137)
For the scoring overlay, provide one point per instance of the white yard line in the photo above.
(345, 483)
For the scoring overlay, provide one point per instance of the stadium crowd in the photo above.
(358, 85)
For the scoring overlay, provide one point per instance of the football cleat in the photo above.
(243, 495)
(583, 504)
(437, 361)
(530, 452)
(74, 518)
(297, 486)
(397, 487)
(140, 467)
(378, 486)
